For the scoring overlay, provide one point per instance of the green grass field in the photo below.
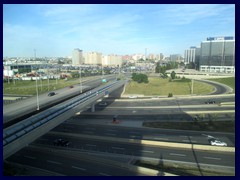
(159, 86)
(29, 87)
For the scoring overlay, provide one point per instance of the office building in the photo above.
(218, 55)
(175, 57)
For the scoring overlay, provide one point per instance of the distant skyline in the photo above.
(54, 30)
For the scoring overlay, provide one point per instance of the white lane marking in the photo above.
(104, 174)
(146, 151)
(160, 138)
(79, 168)
(89, 132)
(186, 136)
(118, 148)
(30, 157)
(110, 134)
(173, 154)
(91, 145)
(212, 158)
(112, 130)
(54, 162)
(186, 140)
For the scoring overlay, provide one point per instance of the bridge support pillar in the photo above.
(93, 108)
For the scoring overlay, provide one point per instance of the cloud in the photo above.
(191, 13)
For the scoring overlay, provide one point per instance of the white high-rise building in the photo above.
(93, 58)
(189, 55)
(112, 60)
(77, 57)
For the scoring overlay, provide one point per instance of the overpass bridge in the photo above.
(23, 133)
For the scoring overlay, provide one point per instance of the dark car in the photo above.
(58, 142)
(210, 102)
(65, 143)
(51, 94)
(61, 142)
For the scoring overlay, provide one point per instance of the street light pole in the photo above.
(80, 78)
(48, 77)
(102, 69)
(192, 87)
(36, 82)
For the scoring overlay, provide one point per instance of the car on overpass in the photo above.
(51, 94)
(210, 102)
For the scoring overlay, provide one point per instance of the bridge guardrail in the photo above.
(17, 130)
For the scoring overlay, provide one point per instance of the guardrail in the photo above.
(20, 129)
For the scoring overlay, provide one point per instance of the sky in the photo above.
(54, 30)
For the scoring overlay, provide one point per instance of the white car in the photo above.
(102, 103)
(218, 143)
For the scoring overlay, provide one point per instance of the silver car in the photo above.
(218, 143)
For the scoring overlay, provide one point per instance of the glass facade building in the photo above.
(218, 55)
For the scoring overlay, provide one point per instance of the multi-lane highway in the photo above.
(69, 163)
(99, 147)
(154, 134)
(114, 157)
(29, 105)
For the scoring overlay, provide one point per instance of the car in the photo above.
(218, 143)
(51, 94)
(61, 142)
(210, 102)
(65, 143)
(102, 104)
(58, 142)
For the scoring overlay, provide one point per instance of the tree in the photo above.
(173, 75)
(157, 69)
(140, 78)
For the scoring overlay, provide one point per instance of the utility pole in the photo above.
(80, 78)
(192, 87)
(36, 81)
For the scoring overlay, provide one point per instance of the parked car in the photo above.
(51, 94)
(210, 102)
(218, 143)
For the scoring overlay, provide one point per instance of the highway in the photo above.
(67, 163)
(29, 105)
(83, 128)
(194, 137)
(184, 107)
(79, 158)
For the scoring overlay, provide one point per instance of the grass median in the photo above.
(160, 86)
